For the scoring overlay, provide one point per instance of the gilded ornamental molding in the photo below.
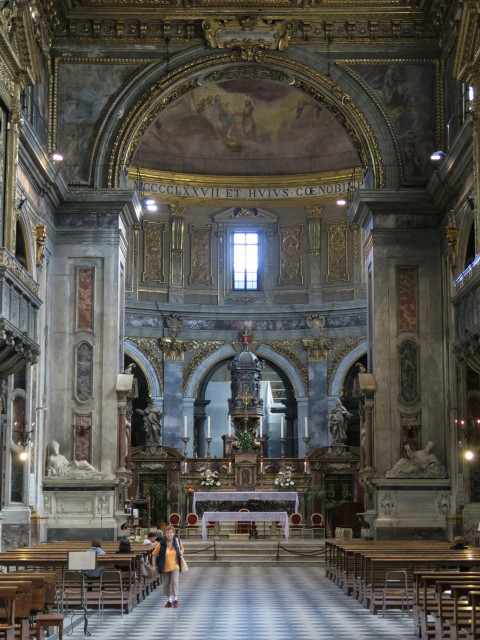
(174, 349)
(340, 348)
(317, 348)
(149, 348)
(206, 349)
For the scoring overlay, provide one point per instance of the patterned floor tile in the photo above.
(245, 603)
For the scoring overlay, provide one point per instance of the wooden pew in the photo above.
(8, 596)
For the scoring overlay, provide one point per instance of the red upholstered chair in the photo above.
(317, 525)
(174, 519)
(191, 525)
(296, 524)
(243, 526)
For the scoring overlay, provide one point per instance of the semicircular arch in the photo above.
(154, 386)
(330, 86)
(344, 366)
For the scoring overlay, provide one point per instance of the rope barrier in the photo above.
(320, 552)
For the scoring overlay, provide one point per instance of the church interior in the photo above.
(239, 255)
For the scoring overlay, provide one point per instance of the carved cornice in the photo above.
(340, 347)
(467, 57)
(206, 349)
(149, 348)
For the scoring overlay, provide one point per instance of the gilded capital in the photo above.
(174, 349)
(317, 348)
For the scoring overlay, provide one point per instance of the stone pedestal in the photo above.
(413, 508)
(77, 512)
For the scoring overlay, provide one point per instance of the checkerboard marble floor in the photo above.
(245, 603)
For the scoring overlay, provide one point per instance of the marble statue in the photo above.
(419, 464)
(59, 467)
(337, 422)
(151, 422)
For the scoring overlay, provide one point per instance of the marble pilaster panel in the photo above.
(317, 406)
(173, 404)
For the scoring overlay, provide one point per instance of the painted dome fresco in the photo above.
(245, 127)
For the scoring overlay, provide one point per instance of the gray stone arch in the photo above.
(154, 89)
(154, 386)
(342, 369)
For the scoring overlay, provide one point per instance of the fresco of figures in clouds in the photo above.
(407, 94)
(245, 127)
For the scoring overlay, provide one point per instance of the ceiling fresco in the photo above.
(245, 127)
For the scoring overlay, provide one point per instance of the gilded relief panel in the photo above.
(337, 270)
(201, 254)
(153, 252)
(290, 255)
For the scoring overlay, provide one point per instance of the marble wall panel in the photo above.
(84, 372)
(85, 298)
(82, 444)
(407, 298)
(408, 356)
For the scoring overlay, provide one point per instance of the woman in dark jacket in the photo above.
(166, 559)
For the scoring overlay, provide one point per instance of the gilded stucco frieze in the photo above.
(286, 348)
(206, 349)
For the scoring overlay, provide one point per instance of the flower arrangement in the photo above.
(245, 440)
(283, 480)
(209, 479)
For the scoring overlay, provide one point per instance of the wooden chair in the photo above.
(191, 524)
(317, 525)
(175, 520)
(243, 526)
(296, 524)
(110, 590)
(395, 591)
(46, 620)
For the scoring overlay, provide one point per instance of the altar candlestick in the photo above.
(281, 427)
(306, 427)
(208, 427)
(185, 426)
(261, 426)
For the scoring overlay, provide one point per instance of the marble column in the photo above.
(317, 350)
(173, 404)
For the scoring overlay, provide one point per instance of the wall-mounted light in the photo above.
(55, 156)
(438, 155)
(341, 202)
(149, 204)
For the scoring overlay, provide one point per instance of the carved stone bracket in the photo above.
(317, 348)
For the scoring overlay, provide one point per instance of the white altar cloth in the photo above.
(244, 496)
(245, 516)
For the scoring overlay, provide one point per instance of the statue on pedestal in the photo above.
(151, 423)
(337, 422)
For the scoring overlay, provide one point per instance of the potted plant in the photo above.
(159, 500)
(316, 493)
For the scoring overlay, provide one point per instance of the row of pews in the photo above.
(35, 582)
(443, 583)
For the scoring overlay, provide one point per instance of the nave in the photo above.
(250, 603)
